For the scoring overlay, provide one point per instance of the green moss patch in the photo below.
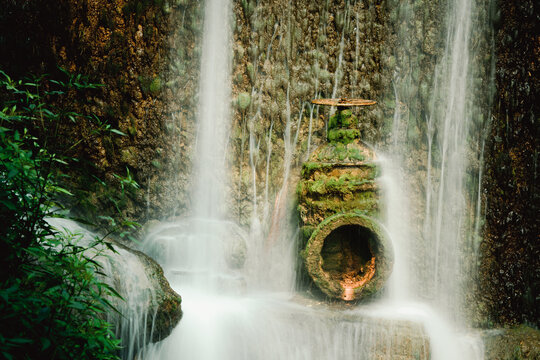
(343, 119)
(344, 136)
(342, 150)
(342, 127)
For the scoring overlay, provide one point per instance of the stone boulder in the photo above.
(165, 304)
(149, 308)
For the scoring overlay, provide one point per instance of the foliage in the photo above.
(52, 297)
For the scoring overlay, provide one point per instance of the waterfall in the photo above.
(445, 214)
(451, 115)
(236, 282)
(200, 248)
(433, 254)
(127, 274)
(213, 114)
(433, 245)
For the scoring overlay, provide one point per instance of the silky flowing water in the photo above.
(238, 287)
(127, 275)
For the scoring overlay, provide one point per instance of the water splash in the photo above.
(125, 272)
(274, 327)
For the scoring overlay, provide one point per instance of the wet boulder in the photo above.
(158, 303)
(149, 308)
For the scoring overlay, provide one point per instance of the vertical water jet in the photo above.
(210, 174)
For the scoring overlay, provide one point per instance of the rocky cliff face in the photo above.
(145, 53)
(285, 54)
(510, 261)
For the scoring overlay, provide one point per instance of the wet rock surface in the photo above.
(522, 342)
(165, 309)
(510, 252)
(386, 338)
(285, 55)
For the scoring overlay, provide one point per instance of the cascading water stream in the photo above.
(200, 253)
(214, 113)
(452, 116)
(233, 308)
(127, 274)
(444, 232)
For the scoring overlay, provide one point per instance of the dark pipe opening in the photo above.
(347, 254)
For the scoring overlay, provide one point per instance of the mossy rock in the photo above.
(352, 151)
(129, 155)
(155, 86)
(349, 256)
(313, 211)
(244, 99)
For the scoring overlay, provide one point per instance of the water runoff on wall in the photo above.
(230, 312)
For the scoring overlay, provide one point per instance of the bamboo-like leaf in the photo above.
(118, 132)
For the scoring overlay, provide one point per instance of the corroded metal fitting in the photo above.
(346, 253)
(349, 256)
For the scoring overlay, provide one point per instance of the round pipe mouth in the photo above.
(349, 256)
